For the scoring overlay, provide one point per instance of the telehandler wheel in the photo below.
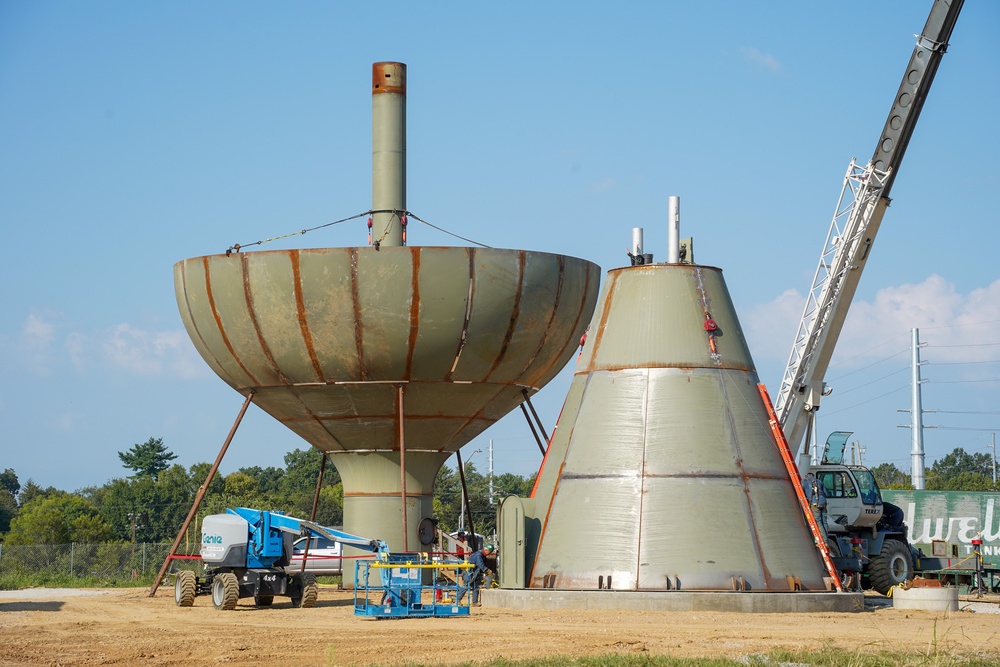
(225, 591)
(184, 588)
(310, 591)
(891, 567)
(263, 600)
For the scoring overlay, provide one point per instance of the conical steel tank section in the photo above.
(663, 473)
(365, 352)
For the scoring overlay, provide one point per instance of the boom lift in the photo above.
(862, 204)
(246, 551)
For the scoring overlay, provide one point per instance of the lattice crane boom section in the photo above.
(847, 243)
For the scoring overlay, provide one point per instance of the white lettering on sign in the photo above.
(962, 529)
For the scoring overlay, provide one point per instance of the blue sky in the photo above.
(134, 135)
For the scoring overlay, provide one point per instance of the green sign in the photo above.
(954, 518)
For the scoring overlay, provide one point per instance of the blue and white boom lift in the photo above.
(246, 553)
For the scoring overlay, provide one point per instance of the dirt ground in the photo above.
(124, 626)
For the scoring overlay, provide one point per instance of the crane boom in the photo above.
(856, 220)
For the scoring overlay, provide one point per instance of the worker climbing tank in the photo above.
(663, 473)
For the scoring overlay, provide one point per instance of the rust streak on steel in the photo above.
(576, 323)
(218, 322)
(548, 510)
(379, 78)
(471, 254)
(552, 314)
(300, 309)
(605, 313)
(219, 368)
(385, 415)
(681, 475)
(392, 494)
(746, 481)
(641, 365)
(358, 327)
(514, 315)
(402, 469)
(248, 295)
(414, 312)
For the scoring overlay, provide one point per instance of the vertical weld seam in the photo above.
(300, 311)
(514, 315)
(218, 323)
(573, 339)
(605, 313)
(248, 296)
(548, 322)
(194, 322)
(471, 253)
(703, 300)
(548, 510)
(642, 477)
(746, 479)
(358, 327)
(414, 312)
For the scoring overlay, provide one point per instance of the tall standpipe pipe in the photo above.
(674, 230)
(388, 152)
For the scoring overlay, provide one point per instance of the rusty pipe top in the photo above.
(389, 77)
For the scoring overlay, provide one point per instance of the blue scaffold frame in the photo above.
(393, 587)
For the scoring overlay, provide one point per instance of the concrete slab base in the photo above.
(749, 603)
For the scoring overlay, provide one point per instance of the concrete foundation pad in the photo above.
(750, 603)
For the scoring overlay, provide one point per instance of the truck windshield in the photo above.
(867, 486)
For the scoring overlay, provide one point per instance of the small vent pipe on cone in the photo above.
(673, 230)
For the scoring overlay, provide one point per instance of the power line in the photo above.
(876, 363)
(961, 381)
(960, 363)
(851, 407)
(861, 386)
(965, 345)
(955, 326)
(861, 354)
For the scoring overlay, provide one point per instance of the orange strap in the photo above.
(793, 474)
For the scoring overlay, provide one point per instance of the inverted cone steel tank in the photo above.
(663, 473)
(365, 352)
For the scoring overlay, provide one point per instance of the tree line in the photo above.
(150, 505)
(957, 471)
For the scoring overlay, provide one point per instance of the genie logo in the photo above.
(211, 539)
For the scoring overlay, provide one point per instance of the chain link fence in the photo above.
(108, 562)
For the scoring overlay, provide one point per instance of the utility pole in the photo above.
(916, 418)
(993, 446)
(134, 521)
(491, 471)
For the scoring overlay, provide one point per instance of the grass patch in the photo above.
(13, 582)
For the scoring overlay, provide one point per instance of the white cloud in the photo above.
(954, 324)
(35, 345)
(152, 353)
(761, 59)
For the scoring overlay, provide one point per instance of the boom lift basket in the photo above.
(395, 587)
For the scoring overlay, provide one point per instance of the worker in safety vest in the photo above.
(475, 574)
(817, 498)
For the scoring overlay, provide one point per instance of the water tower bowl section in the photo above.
(338, 343)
